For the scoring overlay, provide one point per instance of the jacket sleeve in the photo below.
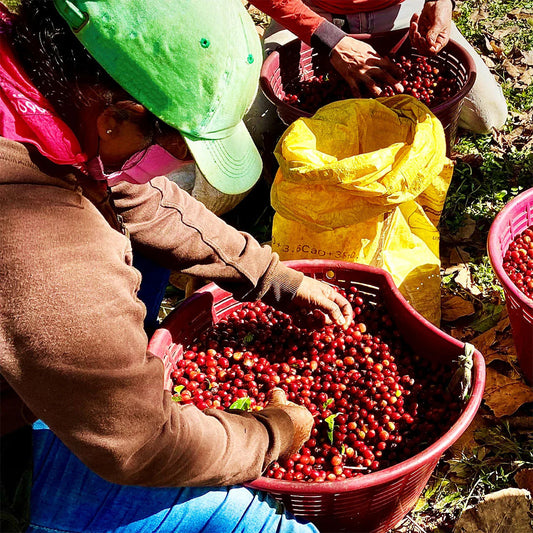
(74, 349)
(178, 232)
(301, 20)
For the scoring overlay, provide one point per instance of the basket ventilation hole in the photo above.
(330, 274)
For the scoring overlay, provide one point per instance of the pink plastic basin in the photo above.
(512, 220)
(376, 502)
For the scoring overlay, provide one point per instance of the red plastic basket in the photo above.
(376, 502)
(295, 61)
(512, 220)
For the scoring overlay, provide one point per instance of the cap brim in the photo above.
(232, 165)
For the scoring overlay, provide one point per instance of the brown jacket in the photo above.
(72, 343)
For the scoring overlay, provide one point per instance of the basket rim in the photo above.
(266, 87)
(495, 253)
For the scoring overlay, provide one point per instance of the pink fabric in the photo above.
(140, 168)
(26, 116)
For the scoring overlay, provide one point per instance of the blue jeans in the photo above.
(68, 497)
(154, 282)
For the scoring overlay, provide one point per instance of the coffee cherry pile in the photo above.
(374, 402)
(421, 78)
(518, 262)
(315, 92)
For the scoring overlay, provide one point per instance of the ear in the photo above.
(106, 125)
(119, 132)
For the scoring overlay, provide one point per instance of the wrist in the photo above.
(327, 36)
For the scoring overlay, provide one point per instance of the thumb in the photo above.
(277, 397)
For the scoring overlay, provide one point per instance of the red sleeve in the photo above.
(293, 15)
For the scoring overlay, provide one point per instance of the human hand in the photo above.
(313, 294)
(301, 418)
(430, 31)
(360, 65)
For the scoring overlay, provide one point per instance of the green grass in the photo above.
(498, 17)
(480, 189)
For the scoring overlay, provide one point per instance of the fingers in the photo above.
(336, 307)
(370, 84)
(331, 308)
(345, 310)
(388, 79)
(356, 93)
(314, 294)
(440, 41)
(360, 65)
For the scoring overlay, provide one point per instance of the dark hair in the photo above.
(60, 66)
(55, 60)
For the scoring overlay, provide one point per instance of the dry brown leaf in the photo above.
(501, 33)
(513, 70)
(493, 47)
(526, 77)
(528, 145)
(514, 134)
(489, 62)
(452, 269)
(477, 15)
(459, 256)
(474, 160)
(505, 511)
(496, 355)
(466, 442)
(467, 229)
(524, 479)
(527, 57)
(521, 13)
(504, 323)
(507, 344)
(503, 350)
(484, 341)
(457, 333)
(503, 395)
(464, 279)
(524, 118)
(456, 307)
(515, 11)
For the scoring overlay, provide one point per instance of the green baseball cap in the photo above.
(193, 63)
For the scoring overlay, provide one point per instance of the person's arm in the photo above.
(178, 232)
(356, 61)
(74, 349)
(301, 20)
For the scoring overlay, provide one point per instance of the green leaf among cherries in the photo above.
(242, 404)
(330, 421)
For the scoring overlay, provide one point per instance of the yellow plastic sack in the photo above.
(365, 181)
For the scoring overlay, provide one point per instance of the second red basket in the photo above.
(512, 220)
(296, 60)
